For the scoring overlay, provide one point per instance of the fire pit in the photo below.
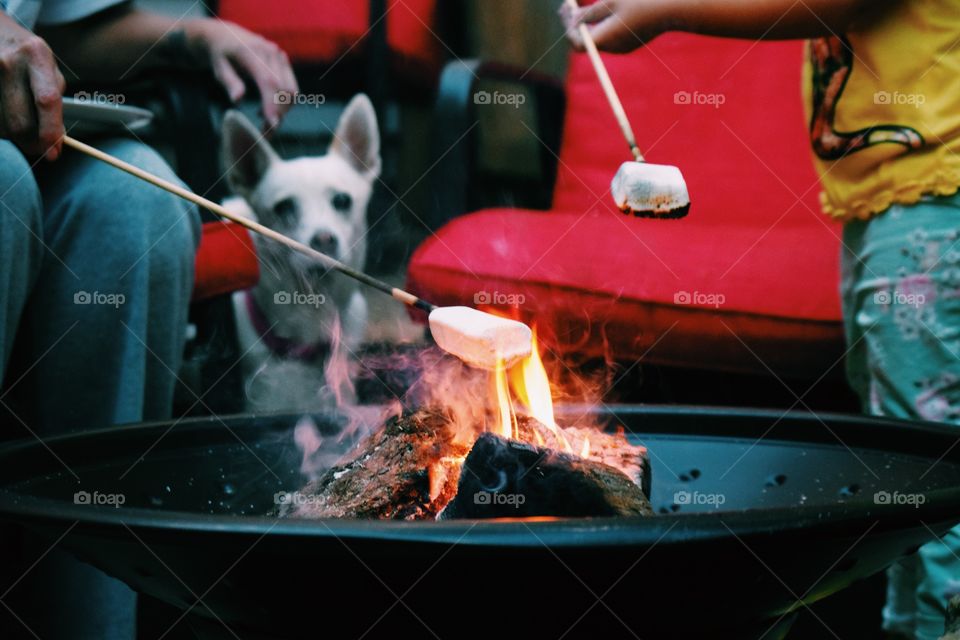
(756, 512)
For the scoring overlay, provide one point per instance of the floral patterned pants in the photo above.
(901, 306)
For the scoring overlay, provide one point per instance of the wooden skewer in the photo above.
(608, 88)
(256, 227)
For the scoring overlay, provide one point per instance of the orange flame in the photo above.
(527, 384)
(532, 387)
(508, 427)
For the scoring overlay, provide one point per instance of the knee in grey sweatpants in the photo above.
(96, 271)
(114, 290)
(21, 228)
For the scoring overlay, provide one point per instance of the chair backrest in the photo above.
(728, 113)
(321, 31)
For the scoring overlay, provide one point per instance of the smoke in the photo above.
(428, 377)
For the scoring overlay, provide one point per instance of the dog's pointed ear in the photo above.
(246, 153)
(357, 138)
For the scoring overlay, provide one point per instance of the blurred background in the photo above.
(335, 58)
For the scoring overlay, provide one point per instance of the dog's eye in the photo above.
(342, 202)
(285, 210)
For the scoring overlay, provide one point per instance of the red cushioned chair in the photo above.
(748, 282)
(388, 50)
(329, 33)
(226, 261)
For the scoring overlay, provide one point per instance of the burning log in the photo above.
(505, 478)
(407, 471)
(612, 449)
(415, 466)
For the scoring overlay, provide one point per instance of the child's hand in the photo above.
(616, 25)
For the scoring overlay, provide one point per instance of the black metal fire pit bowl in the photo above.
(760, 513)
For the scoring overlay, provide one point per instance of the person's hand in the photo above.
(618, 26)
(233, 52)
(31, 92)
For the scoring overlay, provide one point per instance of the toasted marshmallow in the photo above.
(479, 338)
(651, 190)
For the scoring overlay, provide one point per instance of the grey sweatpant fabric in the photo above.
(96, 271)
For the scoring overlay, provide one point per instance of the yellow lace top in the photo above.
(884, 108)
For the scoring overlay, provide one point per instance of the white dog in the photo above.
(298, 327)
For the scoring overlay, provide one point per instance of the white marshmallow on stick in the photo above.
(478, 338)
(643, 189)
(650, 190)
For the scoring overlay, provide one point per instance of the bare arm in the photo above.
(624, 25)
(120, 43)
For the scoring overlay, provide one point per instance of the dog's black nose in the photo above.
(324, 243)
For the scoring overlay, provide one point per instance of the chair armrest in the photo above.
(457, 185)
(226, 261)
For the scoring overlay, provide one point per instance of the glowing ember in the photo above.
(441, 472)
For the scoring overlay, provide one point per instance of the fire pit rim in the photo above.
(879, 425)
(704, 526)
(602, 531)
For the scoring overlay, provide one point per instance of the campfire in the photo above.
(480, 445)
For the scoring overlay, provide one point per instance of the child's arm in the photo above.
(625, 25)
